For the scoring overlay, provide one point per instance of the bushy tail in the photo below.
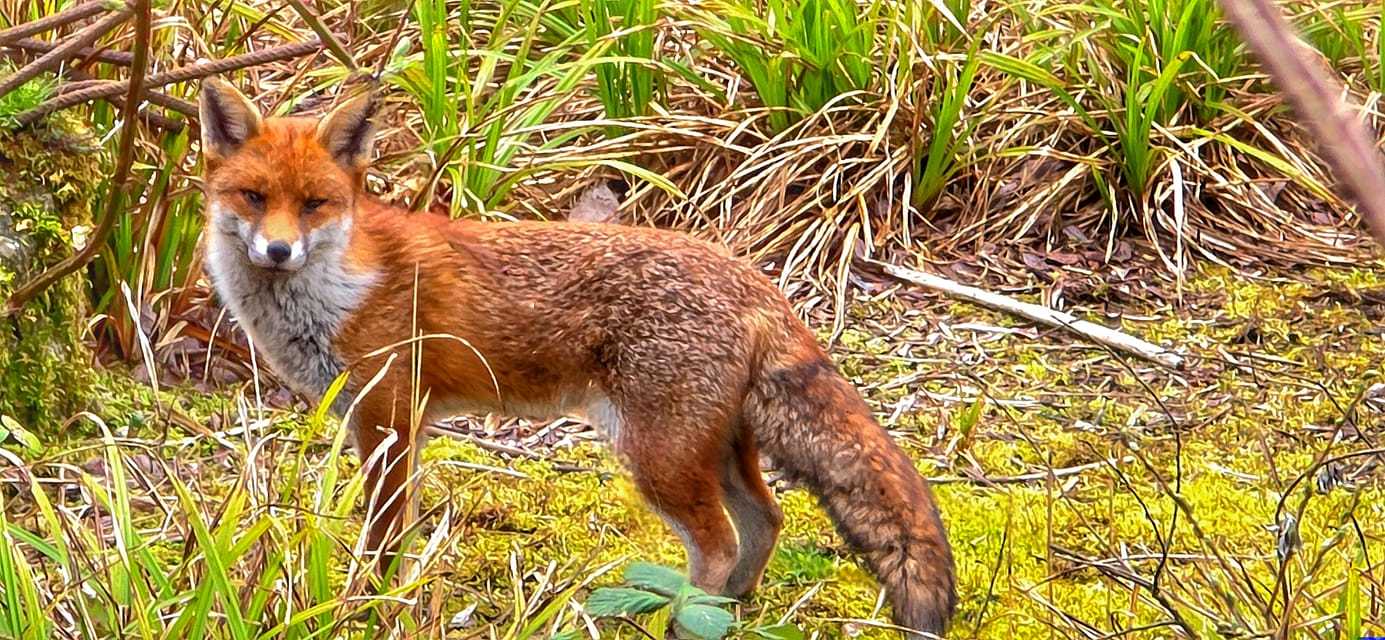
(813, 424)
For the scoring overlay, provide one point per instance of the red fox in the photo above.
(690, 360)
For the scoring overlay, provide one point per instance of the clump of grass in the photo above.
(798, 55)
(477, 98)
(625, 85)
(1350, 37)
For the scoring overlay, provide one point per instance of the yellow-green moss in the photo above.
(48, 177)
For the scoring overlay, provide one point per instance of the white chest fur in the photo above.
(291, 317)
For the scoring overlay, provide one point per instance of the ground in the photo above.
(1283, 372)
(1029, 553)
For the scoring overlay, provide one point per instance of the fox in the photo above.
(689, 360)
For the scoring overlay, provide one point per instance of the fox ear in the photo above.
(348, 132)
(228, 118)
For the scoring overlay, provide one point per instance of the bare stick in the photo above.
(1040, 314)
(116, 194)
(59, 54)
(1317, 96)
(31, 45)
(181, 74)
(47, 23)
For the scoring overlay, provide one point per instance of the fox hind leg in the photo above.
(757, 516)
(686, 492)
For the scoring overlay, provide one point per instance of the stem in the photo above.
(116, 193)
(333, 44)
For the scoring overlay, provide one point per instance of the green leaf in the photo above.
(10, 428)
(708, 623)
(701, 597)
(779, 632)
(1350, 605)
(652, 577)
(968, 418)
(620, 601)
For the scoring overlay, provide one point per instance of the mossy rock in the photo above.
(49, 175)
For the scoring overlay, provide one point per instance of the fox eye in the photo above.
(255, 198)
(311, 204)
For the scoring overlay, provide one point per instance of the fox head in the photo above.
(281, 189)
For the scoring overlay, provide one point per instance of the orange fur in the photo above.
(690, 359)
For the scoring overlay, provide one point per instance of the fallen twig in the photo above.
(115, 195)
(1037, 476)
(1040, 314)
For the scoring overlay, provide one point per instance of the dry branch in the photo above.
(48, 23)
(1319, 99)
(59, 54)
(31, 45)
(1040, 314)
(182, 74)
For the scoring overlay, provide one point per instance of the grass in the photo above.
(799, 56)
(1010, 140)
(250, 528)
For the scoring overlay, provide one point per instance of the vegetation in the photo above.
(1120, 158)
(44, 200)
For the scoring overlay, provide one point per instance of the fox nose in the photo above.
(278, 251)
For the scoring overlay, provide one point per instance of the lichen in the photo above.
(49, 174)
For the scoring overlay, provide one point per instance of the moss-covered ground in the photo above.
(1172, 500)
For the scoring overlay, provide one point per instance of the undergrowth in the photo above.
(1082, 494)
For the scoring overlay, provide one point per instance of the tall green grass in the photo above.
(153, 246)
(952, 126)
(1174, 57)
(1150, 36)
(486, 89)
(624, 28)
(798, 55)
(270, 555)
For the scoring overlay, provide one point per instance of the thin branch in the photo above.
(61, 53)
(1037, 476)
(181, 74)
(125, 158)
(48, 23)
(178, 105)
(31, 45)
